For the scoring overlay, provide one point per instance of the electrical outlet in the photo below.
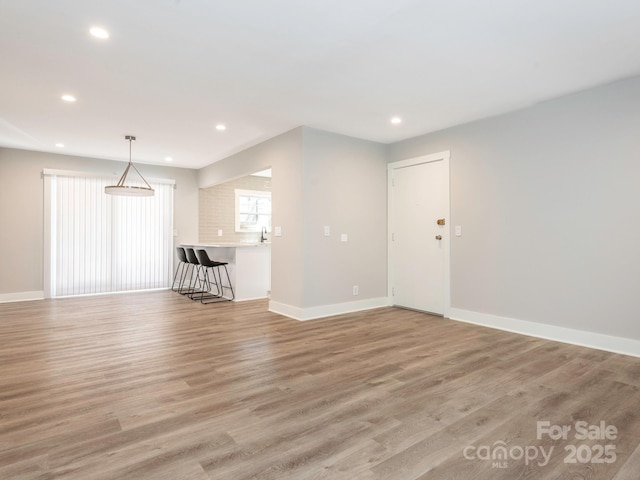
(344, 237)
(219, 233)
(327, 231)
(355, 289)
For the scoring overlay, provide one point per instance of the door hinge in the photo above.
(393, 291)
(393, 237)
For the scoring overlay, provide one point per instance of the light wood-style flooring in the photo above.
(156, 386)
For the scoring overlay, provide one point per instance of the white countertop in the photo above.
(227, 244)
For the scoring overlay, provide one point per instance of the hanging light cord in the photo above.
(130, 190)
(126, 171)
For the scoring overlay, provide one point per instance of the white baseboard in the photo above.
(21, 296)
(609, 343)
(322, 311)
(247, 299)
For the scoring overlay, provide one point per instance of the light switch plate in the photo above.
(458, 231)
(277, 231)
(344, 237)
(327, 231)
(219, 233)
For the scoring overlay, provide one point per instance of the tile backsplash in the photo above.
(217, 210)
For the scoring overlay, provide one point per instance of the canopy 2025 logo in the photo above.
(499, 453)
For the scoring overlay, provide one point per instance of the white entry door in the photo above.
(419, 233)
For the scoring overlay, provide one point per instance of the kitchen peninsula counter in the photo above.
(249, 266)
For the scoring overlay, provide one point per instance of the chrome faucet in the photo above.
(263, 235)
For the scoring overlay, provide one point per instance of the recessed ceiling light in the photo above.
(220, 127)
(168, 159)
(68, 98)
(59, 145)
(396, 120)
(99, 32)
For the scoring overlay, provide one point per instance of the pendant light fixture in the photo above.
(129, 190)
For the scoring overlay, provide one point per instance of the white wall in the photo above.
(22, 203)
(548, 201)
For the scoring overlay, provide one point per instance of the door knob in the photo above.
(438, 237)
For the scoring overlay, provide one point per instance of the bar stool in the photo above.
(207, 264)
(196, 268)
(183, 267)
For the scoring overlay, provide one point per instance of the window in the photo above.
(253, 210)
(98, 243)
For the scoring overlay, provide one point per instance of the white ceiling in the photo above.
(173, 69)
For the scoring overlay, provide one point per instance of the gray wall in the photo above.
(345, 185)
(284, 155)
(320, 178)
(547, 198)
(22, 203)
(548, 201)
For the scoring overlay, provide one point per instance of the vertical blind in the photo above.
(103, 243)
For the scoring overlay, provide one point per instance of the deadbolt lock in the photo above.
(441, 221)
(438, 237)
